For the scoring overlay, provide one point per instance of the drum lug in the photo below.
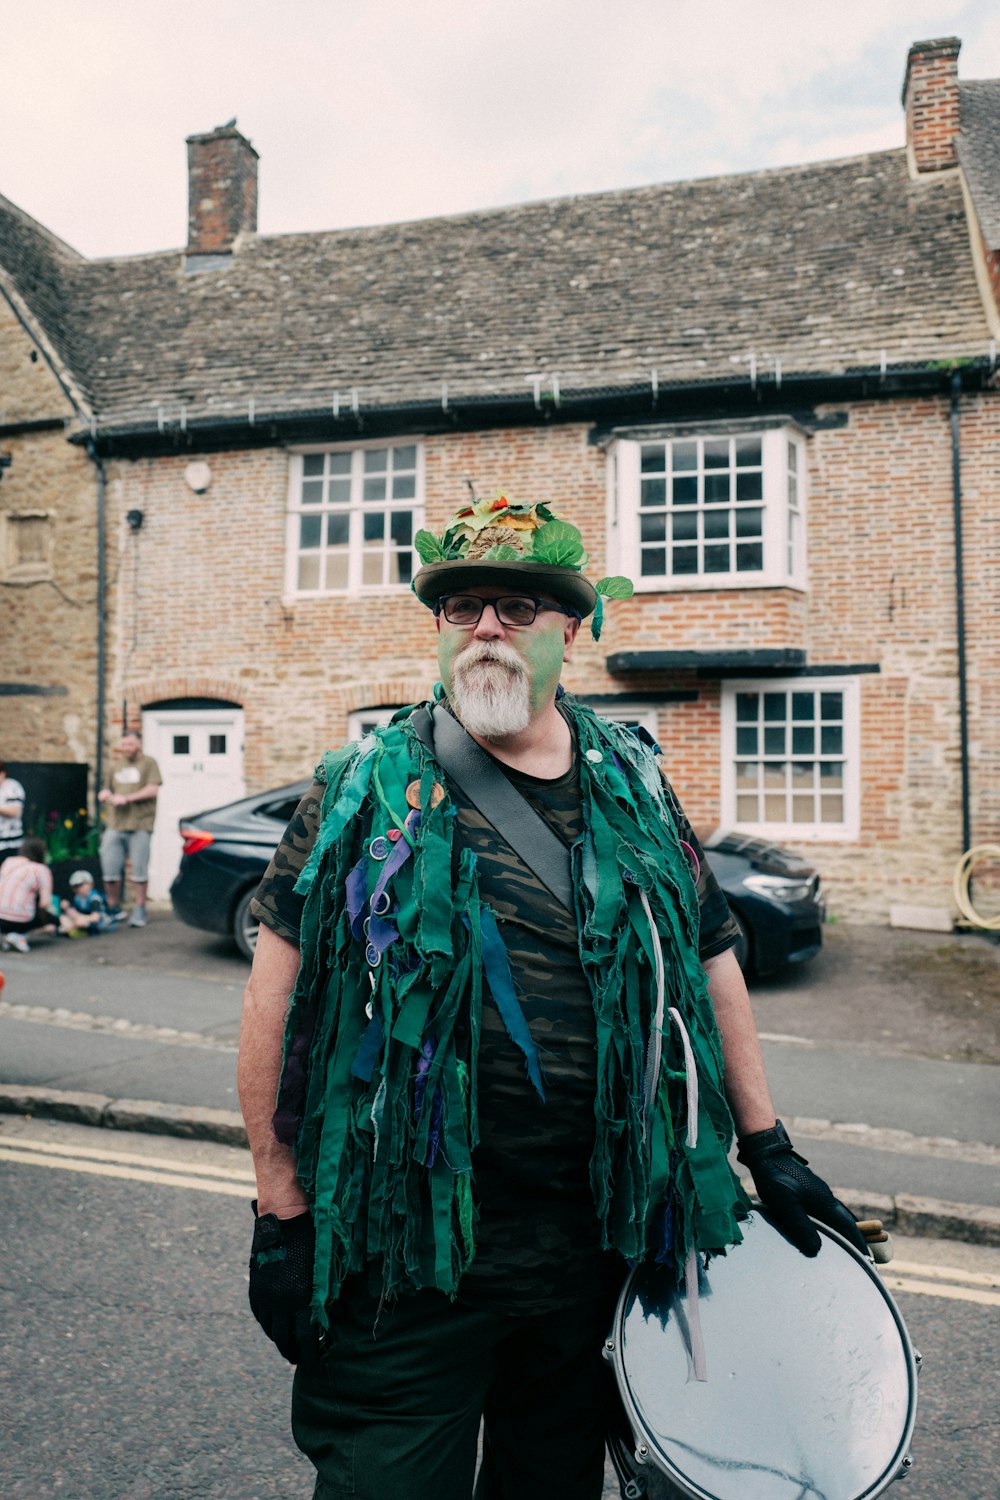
(905, 1466)
(918, 1360)
(609, 1350)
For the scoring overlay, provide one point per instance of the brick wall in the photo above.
(202, 612)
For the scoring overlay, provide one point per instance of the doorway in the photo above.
(200, 755)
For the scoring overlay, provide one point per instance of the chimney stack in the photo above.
(222, 190)
(930, 98)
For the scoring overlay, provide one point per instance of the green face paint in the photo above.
(541, 647)
(450, 643)
(543, 650)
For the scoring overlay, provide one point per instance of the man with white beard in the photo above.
(490, 690)
(469, 936)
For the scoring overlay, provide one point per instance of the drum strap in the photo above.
(487, 788)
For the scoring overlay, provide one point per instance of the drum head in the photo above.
(811, 1379)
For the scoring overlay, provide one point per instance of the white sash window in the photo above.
(352, 516)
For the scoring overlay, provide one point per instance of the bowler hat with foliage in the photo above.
(516, 545)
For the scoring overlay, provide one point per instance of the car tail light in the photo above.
(193, 839)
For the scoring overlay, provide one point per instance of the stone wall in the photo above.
(48, 608)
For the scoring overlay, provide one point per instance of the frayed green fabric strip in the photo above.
(410, 1204)
(343, 801)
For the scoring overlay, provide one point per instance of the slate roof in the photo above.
(39, 266)
(824, 267)
(978, 147)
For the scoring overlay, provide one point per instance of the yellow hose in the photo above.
(963, 879)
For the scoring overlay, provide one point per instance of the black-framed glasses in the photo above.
(510, 609)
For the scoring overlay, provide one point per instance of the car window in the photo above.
(280, 811)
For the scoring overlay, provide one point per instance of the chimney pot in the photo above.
(222, 190)
(930, 98)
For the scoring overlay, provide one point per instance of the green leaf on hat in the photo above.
(559, 544)
(502, 552)
(616, 587)
(429, 548)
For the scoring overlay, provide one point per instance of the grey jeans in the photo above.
(116, 845)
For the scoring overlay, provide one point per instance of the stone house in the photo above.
(770, 399)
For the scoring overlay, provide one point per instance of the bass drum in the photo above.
(810, 1388)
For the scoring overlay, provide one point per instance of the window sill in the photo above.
(28, 573)
(720, 584)
(797, 833)
(369, 591)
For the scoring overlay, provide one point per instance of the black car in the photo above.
(774, 895)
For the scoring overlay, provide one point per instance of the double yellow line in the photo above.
(941, 1281)
(900, 1276)
(133, 1166)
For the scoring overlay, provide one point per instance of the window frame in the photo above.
(784, 522)
(355, 510)
(850, 827)
(14, 567)
(645, 714)
(361, 720)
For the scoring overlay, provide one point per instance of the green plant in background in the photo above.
(68, 836)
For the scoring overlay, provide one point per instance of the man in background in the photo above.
(11, 814)
(129, 798)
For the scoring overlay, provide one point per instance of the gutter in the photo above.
(963, 686)
(170, 429)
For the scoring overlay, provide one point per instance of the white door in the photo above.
(200, 755)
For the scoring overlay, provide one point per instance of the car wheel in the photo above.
(743, 947)
(245, 924)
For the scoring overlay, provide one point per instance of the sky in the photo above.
(372, 111)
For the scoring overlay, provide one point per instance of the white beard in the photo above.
(490, 690)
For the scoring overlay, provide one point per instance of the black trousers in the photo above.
(395, 1410)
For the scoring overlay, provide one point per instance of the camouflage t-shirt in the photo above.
(538, 1238)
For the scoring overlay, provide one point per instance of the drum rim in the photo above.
(688, 1487)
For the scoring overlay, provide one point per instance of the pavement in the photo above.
(883, 1054)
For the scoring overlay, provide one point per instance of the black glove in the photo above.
(281, 1272)
(791, 1192)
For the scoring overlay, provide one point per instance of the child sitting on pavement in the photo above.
(88, 910)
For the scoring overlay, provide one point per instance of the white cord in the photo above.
(698, 1368)
(691, 1077)
(654, 1055)
(963, 878)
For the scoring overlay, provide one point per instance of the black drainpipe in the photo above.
(101, 626)
(963, 690)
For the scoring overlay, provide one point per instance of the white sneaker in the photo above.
(17, 941)
(138, 917)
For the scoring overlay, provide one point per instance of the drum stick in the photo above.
(877, 1240)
